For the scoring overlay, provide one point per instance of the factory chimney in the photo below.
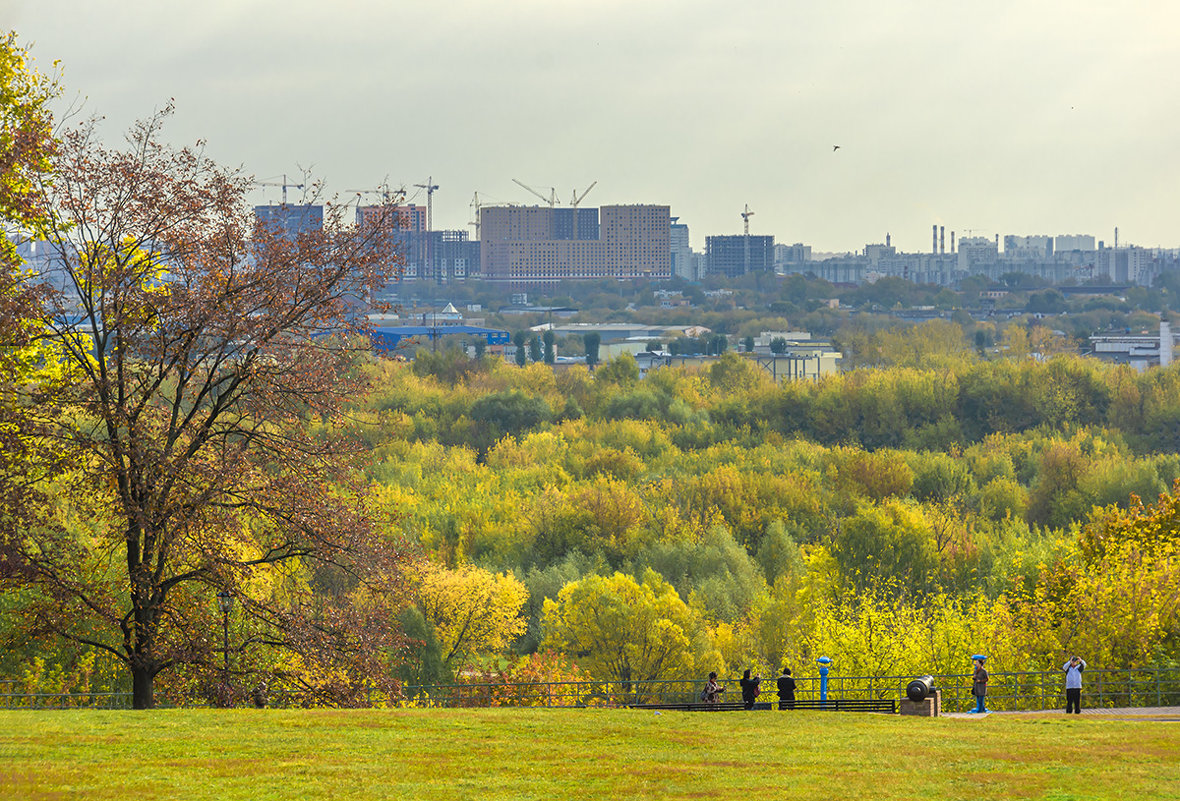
(934, 246)
(942, 239)
(952, 242)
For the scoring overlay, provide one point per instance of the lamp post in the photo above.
(225, 602)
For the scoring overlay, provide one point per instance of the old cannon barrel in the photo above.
(920, 688)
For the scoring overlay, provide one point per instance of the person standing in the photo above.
(786, 690)
(979, 685)
(1073, 684)
(712, 689)
(750, 689)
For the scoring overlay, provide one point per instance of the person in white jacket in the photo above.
(1073, 684)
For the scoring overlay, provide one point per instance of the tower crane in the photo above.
(429, 186)
(476, 204)
(746, 215)
(551, 200)
(388, 197)
(283, 184)
(577, 199)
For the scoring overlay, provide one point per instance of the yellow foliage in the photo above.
(471, 610)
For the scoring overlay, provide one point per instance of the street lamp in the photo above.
(225, 602)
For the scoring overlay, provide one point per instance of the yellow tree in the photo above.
(1117, 596)
(623, 630)
(471, 610)
(31, 372)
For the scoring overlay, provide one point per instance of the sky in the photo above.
(986, 117)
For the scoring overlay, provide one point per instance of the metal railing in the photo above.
(1007, 691)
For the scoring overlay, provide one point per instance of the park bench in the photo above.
(887, 705)
(694, 706)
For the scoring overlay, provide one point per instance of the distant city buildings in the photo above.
(525, 245)
(528, 245)
(1065, 259)
(291, 219)
(683, 265)
(739, 254)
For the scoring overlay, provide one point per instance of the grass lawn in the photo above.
(576, 754)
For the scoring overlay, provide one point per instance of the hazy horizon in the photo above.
(1002, 117)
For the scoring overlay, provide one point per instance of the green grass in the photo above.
(578, 754)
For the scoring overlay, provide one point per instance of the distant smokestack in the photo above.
(997, 243)
(886, 240)
(934, 247)
(1116, 237)
(952, 241)
(942, 239)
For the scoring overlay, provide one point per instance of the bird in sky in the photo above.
(835, 148)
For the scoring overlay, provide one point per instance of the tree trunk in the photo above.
(143, 681)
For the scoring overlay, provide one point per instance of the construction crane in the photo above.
(551, 200)
(476, 204)
(577, 199)
(429, 186)
(284, 184)
(746, 215)
(388, 197)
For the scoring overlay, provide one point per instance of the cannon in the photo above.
(920, 688)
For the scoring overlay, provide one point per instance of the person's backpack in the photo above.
(705, 694)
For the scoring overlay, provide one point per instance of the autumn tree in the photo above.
(621, 629)
(203, 348)
(470, 610)
(31, 373)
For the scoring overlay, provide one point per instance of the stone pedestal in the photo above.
(929, 708)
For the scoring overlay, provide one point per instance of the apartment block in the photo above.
(539, 244)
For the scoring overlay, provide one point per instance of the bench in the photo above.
(694, 706)
(885, 705)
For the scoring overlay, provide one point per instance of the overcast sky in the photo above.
(992, 116)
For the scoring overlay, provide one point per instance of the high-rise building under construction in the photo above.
(542, 244)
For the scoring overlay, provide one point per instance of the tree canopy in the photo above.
(202, 349)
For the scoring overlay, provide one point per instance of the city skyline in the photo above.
(998, 118)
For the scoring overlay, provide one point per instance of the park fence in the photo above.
(1007, 691)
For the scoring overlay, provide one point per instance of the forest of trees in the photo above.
(894, 519)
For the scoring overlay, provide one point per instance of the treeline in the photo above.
(895, 519)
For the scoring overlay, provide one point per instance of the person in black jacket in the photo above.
(750, 689)
(786, 690)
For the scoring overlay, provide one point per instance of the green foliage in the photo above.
(623, 630)
(622, 370)
(879, 544)
(592, 342)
